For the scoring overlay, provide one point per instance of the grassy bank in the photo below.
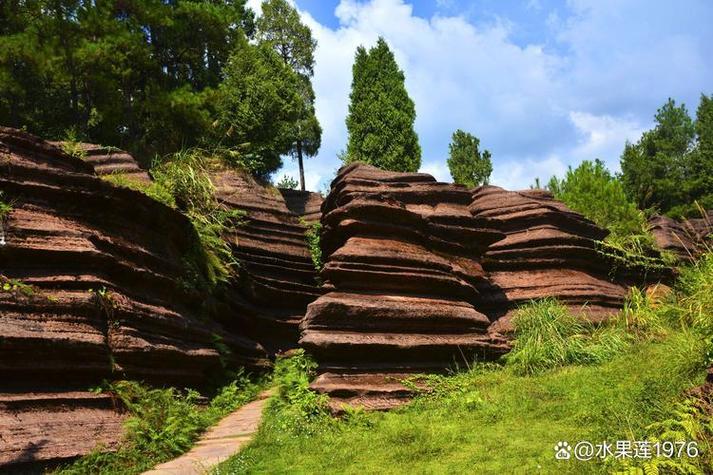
(163, 424)
(563, 382)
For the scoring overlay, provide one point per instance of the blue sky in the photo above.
(544, 84)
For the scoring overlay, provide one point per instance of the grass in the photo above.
(164, 423)
(5, 208)
(565, 381)
(182, 181)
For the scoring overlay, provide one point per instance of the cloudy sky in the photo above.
(543, 83)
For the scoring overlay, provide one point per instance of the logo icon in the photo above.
(563, 451)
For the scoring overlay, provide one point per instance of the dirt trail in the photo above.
(219, 443)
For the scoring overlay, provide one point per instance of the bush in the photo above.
(547, 335)
(591, 190)
(163, 424)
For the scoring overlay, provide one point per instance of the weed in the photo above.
(72, 145)
(154, 189)
(313, 238)
(5, 208)
(16, 287)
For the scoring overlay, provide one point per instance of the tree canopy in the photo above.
(468, 165)
(381, 113)
(280, 28)
(671, 166)
(593, 191)
(137, 75)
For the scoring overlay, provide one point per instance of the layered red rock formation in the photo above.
(277, 276)
(687, 238)
(548, 251)
(402, 271)
(111, 160)
(94, 286)
(304, 204)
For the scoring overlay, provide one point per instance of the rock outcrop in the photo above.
(277, 277)
(94, 286)
(110, 161)
(687, 238)
(548, 251)
(401, 271)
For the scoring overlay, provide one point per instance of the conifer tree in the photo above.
(468, 165)
(381, 114)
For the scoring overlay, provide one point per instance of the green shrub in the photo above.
(313, 239)
(163, 423)
(72, 145)
(186, 177)
(547, 335)
(288, 182)
(591, 190)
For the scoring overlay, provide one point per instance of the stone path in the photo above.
(219, 443)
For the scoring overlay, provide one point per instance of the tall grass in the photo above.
(547, 335)
(182, 181)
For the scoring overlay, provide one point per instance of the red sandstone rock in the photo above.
(402, 271)
(111, 160)
(104, 295)
(277, 276)
(549, 251)
(686, 239)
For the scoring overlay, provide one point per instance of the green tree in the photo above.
(592, 190)
(137, 75)
(381, 114)
(258, 104)
(699, 172)
(280, 28)
(467, 164)
(655, 168)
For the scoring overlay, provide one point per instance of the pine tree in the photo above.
(381, 114)
(699, 166)
(280, 28)
(654, 169)
(467, 164)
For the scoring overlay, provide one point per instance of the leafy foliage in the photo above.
(164, 423)
(467, 164)
(670, 167)
(259, 103)
(288, 182)
(280, 28)
(381, 114)
(313, 239)
(138, 75)
(5, 208)
(591, 190)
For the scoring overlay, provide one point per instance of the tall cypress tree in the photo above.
(381, 113)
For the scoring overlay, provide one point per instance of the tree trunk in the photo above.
(302, 167)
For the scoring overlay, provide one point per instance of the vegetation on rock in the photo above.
(467, 164)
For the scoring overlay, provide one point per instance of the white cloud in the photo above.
(536, 109)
